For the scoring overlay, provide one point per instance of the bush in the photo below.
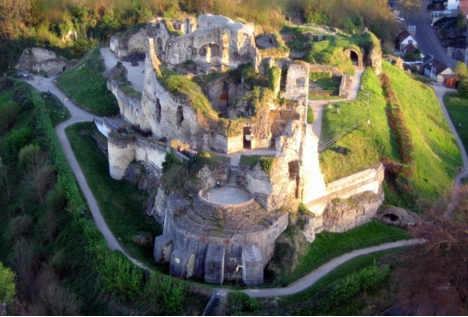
(120, 276)
(463, 89)
(240, 303)
(397, 122)
(19, 227)
(319, 75)
(7, 284)
(310, 115)
(164, 295)
(28, 154)
(8, 115)
(274, 78)
(17, 139)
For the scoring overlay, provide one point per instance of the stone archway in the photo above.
(355, 57)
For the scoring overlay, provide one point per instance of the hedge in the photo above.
(105, 261)
(397, 122)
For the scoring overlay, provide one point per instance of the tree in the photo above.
(460, 70)
(7, 286)
(410, 5)
(433, 279)
(463, 89)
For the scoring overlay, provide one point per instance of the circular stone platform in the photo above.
(227, 195)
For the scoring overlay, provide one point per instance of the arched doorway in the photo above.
(354, 56)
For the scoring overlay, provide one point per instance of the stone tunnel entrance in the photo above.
(247, 138)
(355, 57)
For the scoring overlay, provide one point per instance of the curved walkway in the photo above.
(311, 278)
(440, 91)
(79, 115)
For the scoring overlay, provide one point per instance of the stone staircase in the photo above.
(232, 182)
(217, 304)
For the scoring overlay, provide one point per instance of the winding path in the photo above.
(79, 115)
(440, 91)
(311, 278)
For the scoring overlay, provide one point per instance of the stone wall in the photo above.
(297, 81)
(39, 59)
(121, 154)
(129, 105)
(160, 113)
(132, 41)
(345, 214)
(189, 237)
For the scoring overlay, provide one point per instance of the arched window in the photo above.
(180, 115)
(158, 111)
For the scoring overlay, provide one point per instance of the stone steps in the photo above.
(232, 181)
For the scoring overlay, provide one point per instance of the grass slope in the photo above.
(436, 154)
(328, 246)
(123, 205)
(57, 111)
(458, 111)
(86, 85)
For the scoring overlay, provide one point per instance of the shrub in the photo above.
(240, 303)
(164, 295)
(19, 227)
(274, 78)
(463, 89)
(310, 115)
(17, 139)
(8, 115)
(397, 122)
(28, 154)
(7, 284)
(319, 75)
(120, 276)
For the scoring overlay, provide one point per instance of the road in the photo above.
(311, 278)
(426, 36)
(79, 115)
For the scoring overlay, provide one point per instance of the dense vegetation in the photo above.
(72, 28)
(86, 85)
(49, 238)
(436, 156)
(122, 204)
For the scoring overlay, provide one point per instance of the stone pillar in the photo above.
(214, 264)
(121, 154)
(182, 263)
(163, 248)
(252, 265)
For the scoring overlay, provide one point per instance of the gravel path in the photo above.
(311, 278)
(79, 115)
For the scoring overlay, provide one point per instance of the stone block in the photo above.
(182, 263)
(162, 248)
(252, 265)
(214, 264)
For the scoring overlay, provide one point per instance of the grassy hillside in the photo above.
(87, 86)
(436, 155)
(458, 111)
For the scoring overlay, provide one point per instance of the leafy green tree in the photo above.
(410, 5)
(8, 115)
(461, 70)
(7, 284)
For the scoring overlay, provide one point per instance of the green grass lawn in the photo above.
(340, 272)
(331, 245)
(329, 84)
(57, 111)
(435, 151)
(86, 85)
(458, 111)
(122, 204)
